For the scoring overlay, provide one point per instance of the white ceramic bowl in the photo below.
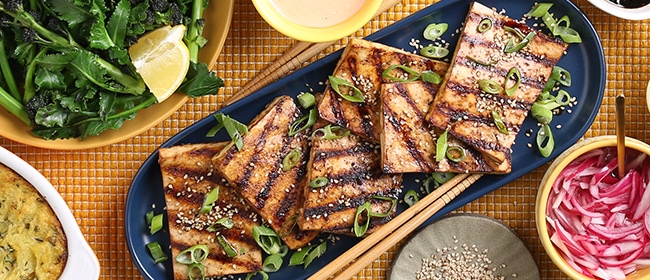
(621, 12)
(82, 262)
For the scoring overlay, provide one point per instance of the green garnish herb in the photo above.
(412, 74)
(306, 100)
(512, 74)
(156, 223)
(223, 223)
(291, 159)
(149, 216)
(267, 239)
(511, 47)
(210, 198)
(319, 182)
(331, 132)
(305, 255)
(498, 122)
(234, 128)
(541, 113)
(288, 225)
(477, 61)
(561, 76)
(441, 146)
(411, 197)
(230, 251)
(364, 213)
(455, 153)
(432, 51)
(337, 83)
(545, 141)
(433, 31)
(303, 122)
(431, 77)
(490, 86)
(559, 28)
(196, 271)
(156, 252)
(272, 263)
(484, 25)
(442, 177)
(195, 254)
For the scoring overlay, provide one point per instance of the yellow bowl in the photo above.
(549, 178)
(217, 18)
(290, 28)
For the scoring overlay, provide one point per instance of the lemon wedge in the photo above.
(162, 59)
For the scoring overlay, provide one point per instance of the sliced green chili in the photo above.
(511, 47)
(484, 25)
(433, 31)
(512, 74)
(336, 83)
(545, 141)
(319, 182)
(303, 122)
(412, 74)
(272, 263)
(411, 197)
(209, 200)
(441, 146)
(267, 239)
(195, 254)
(156, 223)
(234, 128)
(331, 132)
(431, 77)
(490, 86)
(432, 51)
(455, 153)
(223, 223)
(430, 184)
(442, 177)
(156, 252)
(306, 100)
(498, 122)
(291, 159)
(196, 271)
(227, 247)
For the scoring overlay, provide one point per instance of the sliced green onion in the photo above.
(315, 253)
(561, 26)
(250, 276)
(455, 153)
(433, 31)
(272, 263)
(430, 184)
(484, 25)
(411, 197)
(413, 75)
(196, 271)
(267, 239)
(195, 254)
(441, 146)
(563, 98)
(571, 36)
(156, 252)
(561, 75)
(209, 200)
(234, 128)
(319, 182)
(331, 132)
(393, 204)
(513, 73)
(156, 223)
(490, 86)
(288, 225)
(431, 77)
(303, 122)
(336, 83)
(515, 31)
(442, 177)
(306, 100)
(539, 10)
(545, 141)
(476, 60)
(541, 113)
(498, 122)
(362, 215)
(431, 51)
(149, 216)
(305, 255)
(231, 252)
(291, 159)
(221, 224)
(511, 47)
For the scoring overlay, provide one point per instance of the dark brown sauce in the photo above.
(631, 3)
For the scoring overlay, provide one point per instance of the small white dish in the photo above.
(609, 7)
(509, 256)
(82, 262)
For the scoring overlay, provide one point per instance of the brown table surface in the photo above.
(95, 182)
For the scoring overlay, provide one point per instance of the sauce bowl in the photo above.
(611, 8)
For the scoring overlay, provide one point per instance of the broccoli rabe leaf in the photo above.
(200, 81)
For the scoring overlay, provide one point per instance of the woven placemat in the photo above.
(95, 182)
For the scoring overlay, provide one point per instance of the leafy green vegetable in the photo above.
(71, 59)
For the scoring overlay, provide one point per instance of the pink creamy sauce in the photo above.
(317, 13)
(598, 222)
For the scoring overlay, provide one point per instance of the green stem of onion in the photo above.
(484, 25)
(511, 47)
(545, 141)
(498, 122)
(441, 146)
(432, 51)
(412, 74)
(195, 254)
(272, 263)
(490, 86)
(513, 73)
(196, 271)
(231, 252)
(306, 100)
(318, 182)
(291, 159)
(267, 239)
(433, 31)
(362, 215)
(331, 132)
(209, 200)
(455, 153)
(337, 83)
(156, 223)
(411, 197)
(303, 122)
(156, 252)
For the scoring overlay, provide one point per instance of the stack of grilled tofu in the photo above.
(358, 151)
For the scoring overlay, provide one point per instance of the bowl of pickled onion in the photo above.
(593, 223)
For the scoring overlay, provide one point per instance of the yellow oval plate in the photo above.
(217, 17)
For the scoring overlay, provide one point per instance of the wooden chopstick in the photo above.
(367, 250)
(290, 60)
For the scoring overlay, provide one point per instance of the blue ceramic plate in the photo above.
(585, 62)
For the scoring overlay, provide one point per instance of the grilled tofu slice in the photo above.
(362, 64)
(188, 175)
(463, 108)
(408, 141)
(257, 174)
(351, 166)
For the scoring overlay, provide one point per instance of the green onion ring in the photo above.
(513, 73)
(431, 51)
(433, 31)
(411, 197)
(561, 75)
(336, 83)
(149, 216)
(571, 36)
(430, 184)
(272, 263)
(156, 252)
(541, 113)
(156, 223)
(561, 26)
(331, 132)
(318, 182)
(431, 77)
(476, 60)
(306, 100)
(196, 270)
(315, 253)
(413, 75)
(484, 25)
(267, 239)
(545, 141)
(490, 86)
(455, 149)
(563, 98)
(223, 223)
(441, 146)
(511, 47)
(442, 177)
(231, 252)
(298, 257)
(209, 199)
(291, 159)
(498, 122)
(303, 122)
(539, 10)
(362, 215)
(195, 254)
(288, 225)
(393, 203)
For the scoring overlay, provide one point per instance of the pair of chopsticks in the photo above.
(292, 59)
(367, 250)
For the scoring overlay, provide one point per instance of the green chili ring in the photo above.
(455, 149)
(484, 26)
(435, 30)
(434, 51)
(411, 197)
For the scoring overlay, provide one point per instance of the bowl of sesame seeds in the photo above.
(464, 246)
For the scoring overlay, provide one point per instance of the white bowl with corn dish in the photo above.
(39, 236)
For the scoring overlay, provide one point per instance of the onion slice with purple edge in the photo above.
(599, 223)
